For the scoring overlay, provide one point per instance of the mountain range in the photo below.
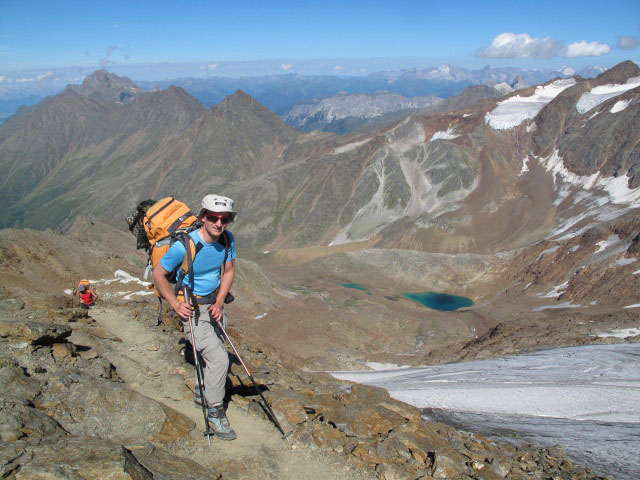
(280, 93)
(85, 151)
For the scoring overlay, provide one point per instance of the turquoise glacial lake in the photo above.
(439, 301)
(357, 286)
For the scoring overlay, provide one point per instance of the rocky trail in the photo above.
(154, 366)
(108, 394)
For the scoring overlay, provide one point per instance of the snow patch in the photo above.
(514, 110)
(620, 105)
(380, 367)
(555, 291)
(524, 168)
(548, 250)
(142, 293)
(258, 317)
(68, 291)
(601, 94)
(625, 261)
(122, 277)
(620, 333)
(615, 187)
(557, 305)
(448, 135)
(603, 244)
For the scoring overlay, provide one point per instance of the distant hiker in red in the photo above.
(87, 296)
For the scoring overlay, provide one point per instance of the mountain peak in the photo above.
(238, 99)
(620, 73)
(239, 104)
(108, 86)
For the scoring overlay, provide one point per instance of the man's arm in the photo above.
(159, 275)
(225, 286)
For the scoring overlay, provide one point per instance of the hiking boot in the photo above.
(220, 424)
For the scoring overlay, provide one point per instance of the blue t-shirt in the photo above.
(206, 265)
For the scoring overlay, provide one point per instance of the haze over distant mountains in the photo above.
(280, 93)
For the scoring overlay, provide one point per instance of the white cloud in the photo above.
(337, 68)
(1, 79)
(521, 45)
(43, 76)
(587, 49)
(212, 66)
(110, 49)
(627, 43)
(105, 61)
(363, 70)
(286, 66)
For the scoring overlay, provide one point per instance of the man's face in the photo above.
(215, 222)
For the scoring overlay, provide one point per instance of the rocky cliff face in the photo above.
(326, 113)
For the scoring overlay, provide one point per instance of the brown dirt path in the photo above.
(146, 363)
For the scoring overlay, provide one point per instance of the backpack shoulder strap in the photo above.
(224, 240)
(191, 250)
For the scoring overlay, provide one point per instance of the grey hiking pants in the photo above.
(211, 346)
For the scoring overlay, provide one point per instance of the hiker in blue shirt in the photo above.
(214, 271)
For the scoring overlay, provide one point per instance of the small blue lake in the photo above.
(439, 301)
(357, 286)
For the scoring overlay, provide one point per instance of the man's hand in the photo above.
(216, 312)
(183, 309)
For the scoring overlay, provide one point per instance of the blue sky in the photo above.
(165, 39)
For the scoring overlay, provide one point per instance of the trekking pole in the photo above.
(270, 413)
(207, 431)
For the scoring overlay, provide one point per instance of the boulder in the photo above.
(87, 406)
(34, 332)
(16, 382)
(18, 419)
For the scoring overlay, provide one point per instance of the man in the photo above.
(210, 286)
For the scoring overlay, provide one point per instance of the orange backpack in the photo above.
(158, 224)
(162, 222)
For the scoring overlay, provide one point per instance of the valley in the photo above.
(527, 204)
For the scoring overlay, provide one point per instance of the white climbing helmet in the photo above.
(219, 204)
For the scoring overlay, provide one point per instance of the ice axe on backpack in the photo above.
(208, 432)
(267, 407)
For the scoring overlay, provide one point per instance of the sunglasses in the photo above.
(214, 218)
